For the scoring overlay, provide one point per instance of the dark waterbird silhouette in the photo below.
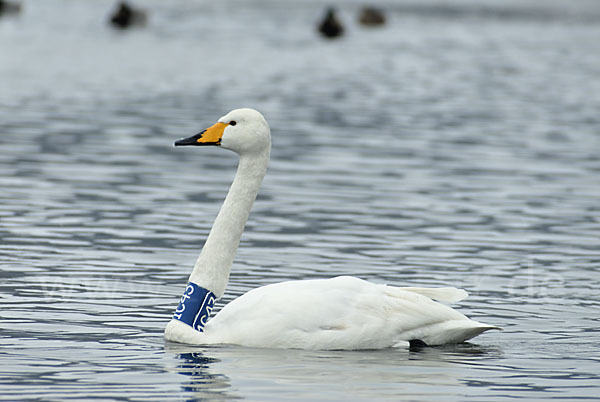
(331, 27)
(126, 16)
(7, 7)
(371, 16)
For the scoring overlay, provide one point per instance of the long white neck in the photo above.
(214, 263)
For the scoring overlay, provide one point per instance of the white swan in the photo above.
(338, 313)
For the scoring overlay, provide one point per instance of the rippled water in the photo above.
(459, 145)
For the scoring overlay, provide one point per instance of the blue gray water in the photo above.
(458, 145)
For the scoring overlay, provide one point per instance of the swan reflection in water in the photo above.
(217, 372)
(203, 383)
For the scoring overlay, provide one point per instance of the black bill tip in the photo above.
(193, 140)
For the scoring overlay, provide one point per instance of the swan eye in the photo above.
(232, 123)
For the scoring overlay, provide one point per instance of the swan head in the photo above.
(244, 131)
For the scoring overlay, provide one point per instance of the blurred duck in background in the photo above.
(7, 7)
(126, 16)
(330, 26)
(371, 17)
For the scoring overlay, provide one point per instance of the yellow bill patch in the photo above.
(213, 134)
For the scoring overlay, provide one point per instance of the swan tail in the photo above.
(456, 331)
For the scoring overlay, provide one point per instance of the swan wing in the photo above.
(446, 295)
(339, 313)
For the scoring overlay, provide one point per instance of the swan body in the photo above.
(338, 313)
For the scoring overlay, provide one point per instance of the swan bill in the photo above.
(210, 136)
